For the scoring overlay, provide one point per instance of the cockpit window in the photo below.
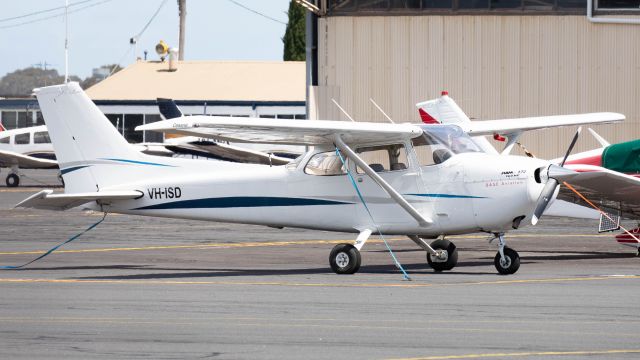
(4, 140)
(438, 143)
(41, 137)
(325, 164)
(22, 139)
(384, 157)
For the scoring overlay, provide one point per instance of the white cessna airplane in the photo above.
(422, 181)
(26, 148)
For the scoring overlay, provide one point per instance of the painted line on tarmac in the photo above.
(265, 244)
(526, 354)
(302, 284)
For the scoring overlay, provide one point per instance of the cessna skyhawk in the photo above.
(422, 181)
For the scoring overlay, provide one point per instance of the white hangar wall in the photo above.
(493, 66)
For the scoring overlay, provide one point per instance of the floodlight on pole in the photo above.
(309, 6)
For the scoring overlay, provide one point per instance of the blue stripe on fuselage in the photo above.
(449, 196)
(240, 202)
(138, 162)
(68, 170)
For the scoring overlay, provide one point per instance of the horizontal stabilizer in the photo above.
(507, 126)
(47, 200)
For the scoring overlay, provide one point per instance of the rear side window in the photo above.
(4, 140)
(22, 139)
(41, 137)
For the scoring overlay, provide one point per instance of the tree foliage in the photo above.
(294, 36)
(22, 82)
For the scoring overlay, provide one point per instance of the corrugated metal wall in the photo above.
(493, 66)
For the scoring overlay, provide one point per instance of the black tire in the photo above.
(452, 253)
(345, 259)
(13, 180)
(512, 262)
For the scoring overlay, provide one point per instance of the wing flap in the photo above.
(277, 131)
(47, 200)
(506, 126)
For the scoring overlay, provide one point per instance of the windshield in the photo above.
(439, 142)
(450, 137)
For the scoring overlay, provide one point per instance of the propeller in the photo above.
(552, 184)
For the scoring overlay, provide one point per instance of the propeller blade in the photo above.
(543, 200)
(573, 143)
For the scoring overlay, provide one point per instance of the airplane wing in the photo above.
(279, 131)
(47, 200)
(608, 188)
(226, 152)
(510, 126)
(10, 158)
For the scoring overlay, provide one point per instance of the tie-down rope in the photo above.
(55, 247)
(355, 186)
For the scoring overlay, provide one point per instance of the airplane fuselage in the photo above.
(467, 193)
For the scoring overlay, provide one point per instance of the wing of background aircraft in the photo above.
(10, 158)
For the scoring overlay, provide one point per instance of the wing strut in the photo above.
(422, 220)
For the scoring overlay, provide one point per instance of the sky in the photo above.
(99, 32)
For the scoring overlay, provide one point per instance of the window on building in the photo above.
(117, 120)
(325, 164)
(41, 137)
(153, 136)
(384, 157)
(473, 4)
(131, 121)
(507, 4)
(22, 119)
(618, 4)
(39, 118)
(5, 140)
(22, 139)
(9, 120)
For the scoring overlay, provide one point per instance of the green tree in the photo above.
(294, 36)
(22, 82)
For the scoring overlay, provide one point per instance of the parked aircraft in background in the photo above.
(30, 148)
(422, 181)
(26, 148)
(609, 176)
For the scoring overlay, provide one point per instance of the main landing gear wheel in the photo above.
(345, 259)
(13, 180)
(451, 256)
(511, 262)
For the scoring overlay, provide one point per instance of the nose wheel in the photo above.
(507, 260)
(345, 259)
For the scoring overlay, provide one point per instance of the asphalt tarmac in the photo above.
(138, 287)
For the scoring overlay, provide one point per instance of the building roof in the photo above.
(206, 80)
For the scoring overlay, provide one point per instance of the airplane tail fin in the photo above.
(2, 128)
(168, 109)
(91, 153)
(444, 110)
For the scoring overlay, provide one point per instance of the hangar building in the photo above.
(269, 89)
(496, 58)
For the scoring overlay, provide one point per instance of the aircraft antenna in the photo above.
(341, 109)
(66, 41)
(382, 111)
